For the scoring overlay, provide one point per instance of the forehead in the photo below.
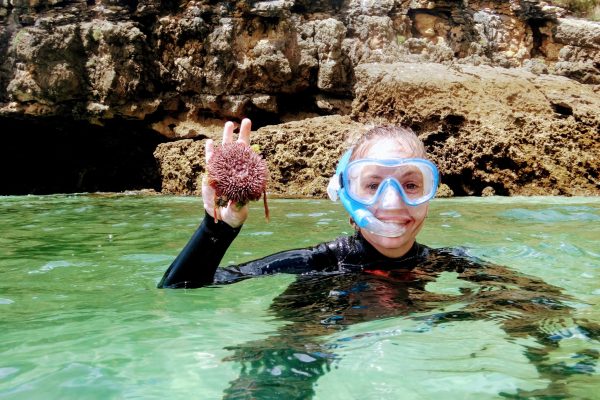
(374, 170)
(389, 148)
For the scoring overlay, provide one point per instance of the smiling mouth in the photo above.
(392, 220)
(389, 228)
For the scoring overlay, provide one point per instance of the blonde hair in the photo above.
(404, 136)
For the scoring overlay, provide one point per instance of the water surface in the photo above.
(81, 318)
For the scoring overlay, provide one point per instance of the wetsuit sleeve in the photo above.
(299, 261)
(196, 264)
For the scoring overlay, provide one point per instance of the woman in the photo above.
(384, 182)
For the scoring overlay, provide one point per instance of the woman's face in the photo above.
(411, 218)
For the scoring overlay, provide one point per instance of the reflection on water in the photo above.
(81, 317)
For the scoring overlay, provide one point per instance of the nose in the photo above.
(391, 198)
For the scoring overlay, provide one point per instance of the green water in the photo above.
(80, 317)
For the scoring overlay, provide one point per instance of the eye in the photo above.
(372, 186)
(411, 187)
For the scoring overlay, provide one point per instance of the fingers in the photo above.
(244, 136)
(233, 215)
(228, 132)
(209, 148)
(245, 129)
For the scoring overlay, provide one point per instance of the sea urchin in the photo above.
(238, 174)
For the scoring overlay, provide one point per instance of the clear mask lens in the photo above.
(370, 181)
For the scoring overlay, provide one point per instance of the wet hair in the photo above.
(404, 136)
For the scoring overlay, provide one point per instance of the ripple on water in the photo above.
(147, 258)
(4, 372)
(83, 209)
(553, 214)
(453, 214)
(5, 301)
(49, 266)
(566, 248)
(592, 254)
(311, 214)
(516, 251)
(317, 214)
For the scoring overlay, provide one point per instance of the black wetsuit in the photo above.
(346, 281)
(197, 263)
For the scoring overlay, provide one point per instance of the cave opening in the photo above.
(55, 155)
(537, 37)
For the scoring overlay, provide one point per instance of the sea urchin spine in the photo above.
(238, 174)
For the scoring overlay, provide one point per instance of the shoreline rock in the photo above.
(504, 94)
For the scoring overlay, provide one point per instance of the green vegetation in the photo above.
(21, 37)
(589, 9)
(97, 34)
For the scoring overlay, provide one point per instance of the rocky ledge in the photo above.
(505, 94)
(490, 131)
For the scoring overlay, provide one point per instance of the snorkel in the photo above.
(359, 213)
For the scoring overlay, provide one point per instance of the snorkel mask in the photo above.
(365, 184)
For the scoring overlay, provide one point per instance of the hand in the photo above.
(232, 214)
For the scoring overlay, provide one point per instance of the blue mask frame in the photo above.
(359, 210)
(345, 180)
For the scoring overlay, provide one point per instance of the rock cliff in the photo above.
(505, 94)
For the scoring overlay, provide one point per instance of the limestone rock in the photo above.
(507, 129)
(509, 104)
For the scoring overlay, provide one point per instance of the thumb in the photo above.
(209, 149)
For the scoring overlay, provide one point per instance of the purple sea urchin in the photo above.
(237, 174)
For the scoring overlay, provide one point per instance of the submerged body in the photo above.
(347, 281)
(352, 260)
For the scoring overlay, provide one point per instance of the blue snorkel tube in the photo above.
(359, 212)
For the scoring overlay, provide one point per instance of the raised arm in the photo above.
(196, 264)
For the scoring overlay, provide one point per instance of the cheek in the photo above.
(419, 213)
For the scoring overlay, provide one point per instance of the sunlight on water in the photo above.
(82, 319)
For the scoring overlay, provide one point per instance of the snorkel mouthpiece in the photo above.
(366, 220)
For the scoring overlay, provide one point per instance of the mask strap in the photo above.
(334, 184)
